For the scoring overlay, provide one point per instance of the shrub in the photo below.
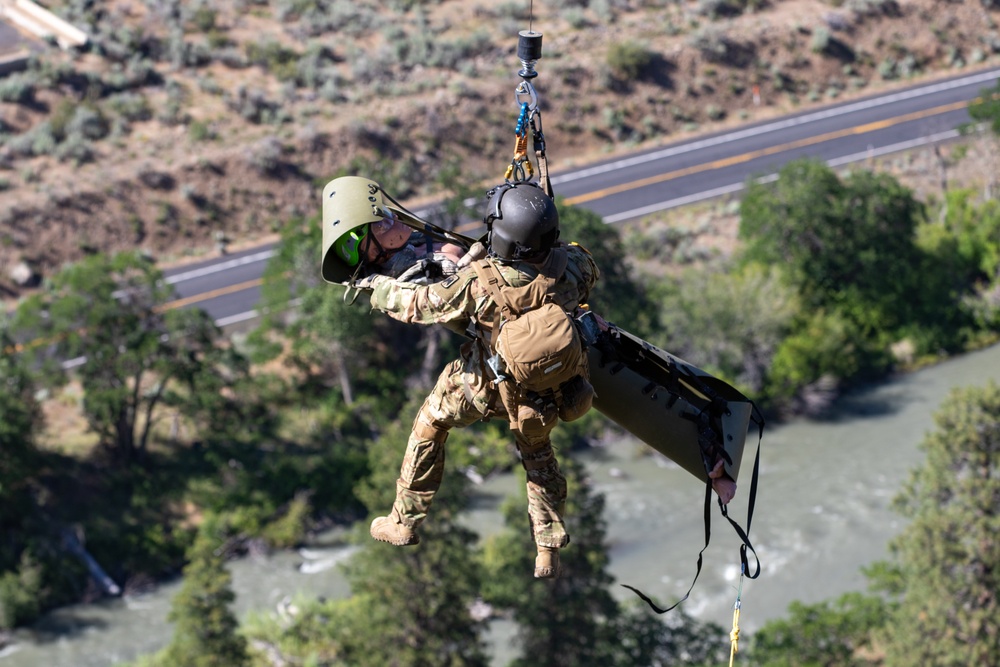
(76, 148)
(629, 60)
(254, 106)
(17, 88)
(820, 41)
(204, 18)
(712, 43)
(130, 106)
(289, 530)
(272, 56)
(200, 131)
(20, 594)
(872, 7)
(265, 156)
(887, 68)
(87, 122)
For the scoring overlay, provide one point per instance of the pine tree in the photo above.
(948, 555)
(416, 601)
(21, 587)
(410, 607)
(205, 634)
(574, 620)
(20, 419)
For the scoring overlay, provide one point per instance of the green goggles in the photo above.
(348, 246)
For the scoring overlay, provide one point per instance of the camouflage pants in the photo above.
(448, 406)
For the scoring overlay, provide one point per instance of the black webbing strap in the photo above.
(744, 535)
(751, 501)
(708, 535)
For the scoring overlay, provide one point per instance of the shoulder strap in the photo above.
(495, 283)
(491, 278)
(510, 300)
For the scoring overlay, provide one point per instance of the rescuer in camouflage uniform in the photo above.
(523, 226)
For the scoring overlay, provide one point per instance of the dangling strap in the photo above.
(743, 535)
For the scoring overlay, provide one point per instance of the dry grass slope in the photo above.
(191, 121)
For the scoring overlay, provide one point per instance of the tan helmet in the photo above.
(350, 205)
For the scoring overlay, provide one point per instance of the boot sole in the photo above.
(398, 543)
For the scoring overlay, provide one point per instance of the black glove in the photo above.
(423, 272)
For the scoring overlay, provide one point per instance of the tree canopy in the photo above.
(575, 620)
(134, 355)
(617, 297)
(947, 555)
(986, 108)
(847, 244)
(206, 630)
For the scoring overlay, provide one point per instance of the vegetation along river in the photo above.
(823, 512)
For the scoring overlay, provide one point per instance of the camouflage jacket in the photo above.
(461, 299)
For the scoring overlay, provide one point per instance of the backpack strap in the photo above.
(495, 284)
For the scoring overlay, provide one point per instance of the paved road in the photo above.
(682, 173)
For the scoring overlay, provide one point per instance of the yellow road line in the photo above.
(746, 157)
(625, 187)
(222, 291)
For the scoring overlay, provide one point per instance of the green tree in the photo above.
(20, 419)
(328, 335)
(617, 296)
(964, 253)
(628, 61)
(986, 110)
(205, 631)
(731, 323)
(825, 634)
(574, 620)
(332, 340)
(410, 607)
(949, 613)
(108, 313)
(413, 606)
(847, 245)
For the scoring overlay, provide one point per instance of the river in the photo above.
(823, 512)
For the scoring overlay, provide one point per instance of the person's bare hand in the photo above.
(722, 483)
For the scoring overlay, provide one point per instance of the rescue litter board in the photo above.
(667, 403)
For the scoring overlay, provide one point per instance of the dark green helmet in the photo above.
(522, 221)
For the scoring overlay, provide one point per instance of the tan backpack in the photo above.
(537, 340)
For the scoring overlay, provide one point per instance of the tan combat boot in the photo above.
(389, 529)
(547, 563)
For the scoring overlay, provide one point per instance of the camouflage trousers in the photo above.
(458, 399)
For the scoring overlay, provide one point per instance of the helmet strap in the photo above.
(382, 255)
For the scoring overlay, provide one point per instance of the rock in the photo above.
(24, 275)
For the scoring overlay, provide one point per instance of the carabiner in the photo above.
(525, 88)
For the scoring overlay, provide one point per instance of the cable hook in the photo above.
(526, 89)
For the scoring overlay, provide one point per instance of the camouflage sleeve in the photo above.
(583, 267)
(448, 301)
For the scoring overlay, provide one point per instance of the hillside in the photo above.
(187, 122)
